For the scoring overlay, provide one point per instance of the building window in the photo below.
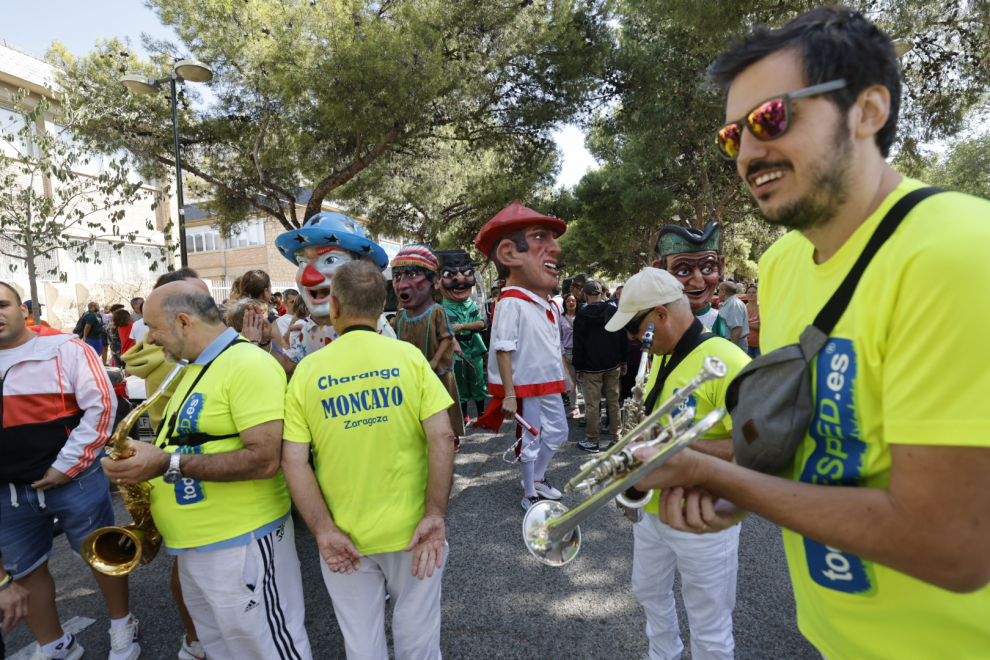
(11, 124)
(249, 234)
(202, 239)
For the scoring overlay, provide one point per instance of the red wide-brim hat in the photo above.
(513, 217)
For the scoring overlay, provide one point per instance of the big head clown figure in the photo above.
(526, 372)
(693, 257)
(457, 281)
(318, 248)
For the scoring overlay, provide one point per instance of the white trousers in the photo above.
(545, 413)
(359, 605)
(247, 602)
(708, 564)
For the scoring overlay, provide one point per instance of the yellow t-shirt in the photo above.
(243, 387)
(901, 367)
(360, 401)
(709, 396)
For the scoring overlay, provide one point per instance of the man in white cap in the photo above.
(708, 563)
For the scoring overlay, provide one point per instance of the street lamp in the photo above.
(184, 70)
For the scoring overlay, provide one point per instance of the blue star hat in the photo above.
(333, 229)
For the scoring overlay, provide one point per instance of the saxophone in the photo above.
(119, 550)
(634, 412)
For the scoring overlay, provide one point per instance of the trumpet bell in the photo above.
(536, 534)
(116, 550)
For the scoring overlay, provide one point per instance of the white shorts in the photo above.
(547, 414)
(359, 605)
(708, 564)
(247, 602)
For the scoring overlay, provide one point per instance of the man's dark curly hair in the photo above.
(834, 42)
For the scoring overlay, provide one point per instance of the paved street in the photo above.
(498, 602)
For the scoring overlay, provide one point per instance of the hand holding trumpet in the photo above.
(685, 504)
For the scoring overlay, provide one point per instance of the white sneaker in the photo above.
(191, 650)
(546, 490)
(70, 651)
(123, 641)
(528, 502)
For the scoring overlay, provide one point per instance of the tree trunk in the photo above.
(29, 260)
(32, 278)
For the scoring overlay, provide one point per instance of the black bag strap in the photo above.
(836, 306)
(692, 339)
(169, 440)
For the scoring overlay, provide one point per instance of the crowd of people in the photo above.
(855, 422)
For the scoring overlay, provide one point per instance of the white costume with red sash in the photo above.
(526, 326)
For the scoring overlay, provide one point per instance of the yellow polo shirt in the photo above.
(906, 364)
(243, 387)
(361, 401)
(709, 396)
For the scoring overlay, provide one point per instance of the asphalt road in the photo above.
(498, 602)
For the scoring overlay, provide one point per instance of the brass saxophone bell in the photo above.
(117, 550)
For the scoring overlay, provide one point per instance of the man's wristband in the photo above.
(6, 582)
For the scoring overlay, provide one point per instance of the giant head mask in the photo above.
(693, 257)
(326, 241)
(457, 277)
(414, 272)
(523, 245)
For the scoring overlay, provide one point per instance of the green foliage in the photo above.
(310, 93)
(964, 165)
(654, 141)
(444, 192)
(78, 211)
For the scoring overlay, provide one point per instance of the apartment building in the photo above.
(119, 276)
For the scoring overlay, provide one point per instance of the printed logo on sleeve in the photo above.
(838, 458)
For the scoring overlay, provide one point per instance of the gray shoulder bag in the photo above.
(771, 401)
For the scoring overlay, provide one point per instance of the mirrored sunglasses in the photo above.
(768, 120)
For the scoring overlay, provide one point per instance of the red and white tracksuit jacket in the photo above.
(57, 409)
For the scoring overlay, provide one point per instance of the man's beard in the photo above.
(827, 189)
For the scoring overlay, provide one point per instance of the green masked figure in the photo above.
(693, 257)
(457, 281)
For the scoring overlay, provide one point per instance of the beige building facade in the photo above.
(104, 275)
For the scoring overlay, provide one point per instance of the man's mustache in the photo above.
(458, 286)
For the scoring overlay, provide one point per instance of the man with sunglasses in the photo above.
(885, 508)
(707, 563)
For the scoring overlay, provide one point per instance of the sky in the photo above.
(79, 23)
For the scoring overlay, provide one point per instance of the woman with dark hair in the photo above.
(122, 328)
(256, 284)
(567, 345)
(113, 338)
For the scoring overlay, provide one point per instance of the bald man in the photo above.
(218, 496)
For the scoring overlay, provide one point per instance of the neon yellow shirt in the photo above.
(360, 401)
(243, 387)
(900, 368)
(706, 398)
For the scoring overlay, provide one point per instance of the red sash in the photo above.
(493, 417)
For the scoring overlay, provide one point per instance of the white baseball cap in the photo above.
(645, 290)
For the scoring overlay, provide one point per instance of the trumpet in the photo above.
(552, 533)
(119, 550)
(633, 412)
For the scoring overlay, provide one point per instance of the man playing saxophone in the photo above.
(708, 563)
(218, 497)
